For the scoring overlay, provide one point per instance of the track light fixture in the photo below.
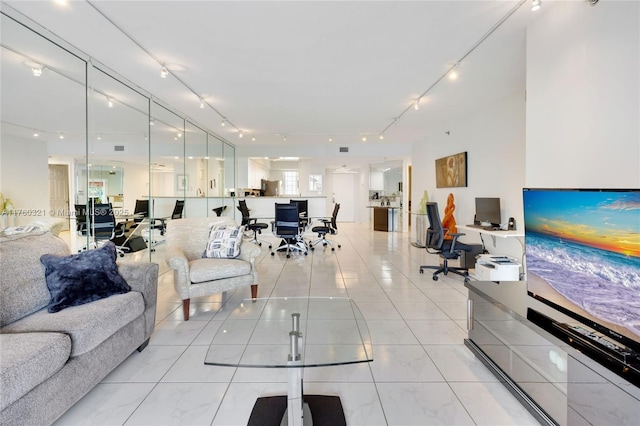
(223, 123)
(240, 134)
(416, 104)
(110, 102)
(152, 121)
(36, 70)
(535, 5)
(61, 135)
(364, 138)
(36, 134)
(201, 103)
(164, 72)
(381, 136)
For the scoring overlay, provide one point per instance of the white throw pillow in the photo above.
(224, 241)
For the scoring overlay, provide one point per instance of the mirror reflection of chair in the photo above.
(103, 227)
(303, 213)
(447, 249)
(287, 227)
(252, 224)
(219, 210)
(329, 226)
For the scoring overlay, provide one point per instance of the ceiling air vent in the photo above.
(118, 147)
(344, 149)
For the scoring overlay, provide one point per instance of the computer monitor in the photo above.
(488, 211)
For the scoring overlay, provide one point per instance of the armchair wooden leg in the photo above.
(185, 308)
(254, 291)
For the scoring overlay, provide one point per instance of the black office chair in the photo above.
(287, 227)
(330, 227)
(82, 219)
(448, 249)
(104, 227)
(303, 213)
(161, 223)
(252, 224)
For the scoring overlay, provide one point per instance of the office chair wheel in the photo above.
(270, 246)
(288, 256)
(273, 254)
(324, 244)
(305, 253)
(339, 246)
(312, 248)
(421, 271)
(435, 278)
(260, 244)
(333, 249)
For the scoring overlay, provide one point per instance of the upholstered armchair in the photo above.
(195, 276)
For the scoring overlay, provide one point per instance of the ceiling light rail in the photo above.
(164, 68)
(457, 63)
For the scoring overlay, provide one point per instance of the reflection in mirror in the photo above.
(229, 173)
(195, 176)
(43, 125)
(169, 179)
(385, 181)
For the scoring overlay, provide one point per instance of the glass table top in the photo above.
(258, 333)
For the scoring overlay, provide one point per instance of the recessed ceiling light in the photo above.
(61, 136)
(60, 2)
(364, 139)
(36, 134)
(381, 136)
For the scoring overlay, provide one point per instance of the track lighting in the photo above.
(110, 102)
(416, 104)
(381, 136)
(330, 139)
(535, 5)
(253, 139)
(223, 123)
(364, 139)
(201, 103)
(453, 73)
(152, 122)
(99, 137)
(35, 134)
(36, 70)
(240, 134)
(61, 135)
(164, 72)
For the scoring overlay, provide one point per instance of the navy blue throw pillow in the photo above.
(82, 278)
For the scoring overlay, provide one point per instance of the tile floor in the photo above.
(422, 373)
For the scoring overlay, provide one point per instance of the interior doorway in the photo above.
(344, 192)
(59, 193)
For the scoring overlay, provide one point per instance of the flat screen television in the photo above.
(583, 258)
(488, 211)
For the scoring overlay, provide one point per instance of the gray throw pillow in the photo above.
(82, 278)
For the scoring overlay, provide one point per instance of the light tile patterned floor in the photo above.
(421, 374)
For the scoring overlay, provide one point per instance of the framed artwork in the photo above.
(182, 182)
(451, 171)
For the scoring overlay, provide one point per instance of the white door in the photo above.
(59, 192)
(344, 190)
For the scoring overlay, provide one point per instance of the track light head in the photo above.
(164, 72)
(535, 5)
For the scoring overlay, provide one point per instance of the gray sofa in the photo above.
(48, 361)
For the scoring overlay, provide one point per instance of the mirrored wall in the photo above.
(76, 135)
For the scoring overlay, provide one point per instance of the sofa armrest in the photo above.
(143, 278)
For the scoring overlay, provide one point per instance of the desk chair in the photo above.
(251, 224)
(219, 210)
(103, 227)
(448, 249)
(303, 212)
(287, 227)
(330, 227)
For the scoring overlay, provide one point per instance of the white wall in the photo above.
(583, 96)
(27, 190)
(494, 139)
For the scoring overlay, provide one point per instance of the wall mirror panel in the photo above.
(228, 172)
(195, 175)
(385, 181)
(43, 127)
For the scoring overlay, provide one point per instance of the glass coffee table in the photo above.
(293, 333)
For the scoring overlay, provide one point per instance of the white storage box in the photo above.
(497, 268)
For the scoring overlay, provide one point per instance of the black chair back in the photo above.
(435, 232)
(104, 222)
(177, 210)
(82, 219)
(287, 220)
(334, 217)
(242, 206)
(141, 209)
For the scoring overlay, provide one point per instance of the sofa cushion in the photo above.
(89, 324)
(224, 241)
(23, 289)
(82, 278)
(202, 270)
(29, 359)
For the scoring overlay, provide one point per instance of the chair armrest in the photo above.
(249, 253)
(177, 261)
(455, 240)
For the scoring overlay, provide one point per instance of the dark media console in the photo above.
(622, 361)
(563, 374)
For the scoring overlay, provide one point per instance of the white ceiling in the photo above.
(307, 70)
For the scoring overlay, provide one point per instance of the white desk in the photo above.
(518, 235)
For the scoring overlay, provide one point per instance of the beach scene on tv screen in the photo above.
(583, 253)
